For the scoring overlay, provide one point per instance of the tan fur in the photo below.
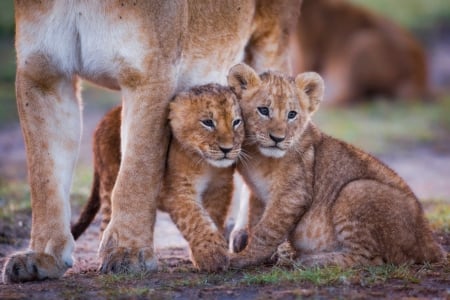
(196, 194)
(360, 53)
(149, 50)
(335, 203)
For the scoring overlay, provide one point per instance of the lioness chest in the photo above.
(106, 42)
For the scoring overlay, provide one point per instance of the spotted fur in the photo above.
(198, 181)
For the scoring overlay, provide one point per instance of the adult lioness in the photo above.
(149, 50)
(335, 203)
(207, 133)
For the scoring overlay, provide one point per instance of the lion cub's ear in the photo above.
(243, 80)
(311, 84)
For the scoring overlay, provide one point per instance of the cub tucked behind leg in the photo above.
(336, 204)
(198, 183)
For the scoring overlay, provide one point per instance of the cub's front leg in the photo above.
(208, 246)
(217, 199)
(279, 218)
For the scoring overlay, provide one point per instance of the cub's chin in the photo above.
(274, 152)
(220, 163)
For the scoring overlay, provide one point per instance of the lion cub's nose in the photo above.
(276, 139)
(225, 150)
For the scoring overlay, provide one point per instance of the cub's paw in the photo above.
(241, 260)
(30, 266)
(239, 240)
(115, 259)
(250, 257)
(211, 256)
(285, 255)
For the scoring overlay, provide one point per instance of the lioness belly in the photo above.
(314, 232)
(75, 40)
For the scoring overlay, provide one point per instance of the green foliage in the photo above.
(438, 214)
(416, 14)
(380, 127)
(14, 196)
(6, 18)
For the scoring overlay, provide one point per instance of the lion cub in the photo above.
(336, 204)
(207, 134)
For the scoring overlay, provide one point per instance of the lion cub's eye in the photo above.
(236, 123)
(264, 111)
(292, 114)
(209, 124)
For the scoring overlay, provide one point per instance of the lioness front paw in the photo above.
(115, 259)
(211, 256)
(30, 266)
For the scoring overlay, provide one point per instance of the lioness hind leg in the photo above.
(50, 119)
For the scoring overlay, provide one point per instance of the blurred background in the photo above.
(410, 134)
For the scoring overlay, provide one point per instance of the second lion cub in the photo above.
(207, 134)
(336, 204)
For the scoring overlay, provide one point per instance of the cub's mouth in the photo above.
(272, 151)
(221, 163)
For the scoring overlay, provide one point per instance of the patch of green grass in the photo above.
(14, 196)
(317, 276)
(438, 214)
(111, 280)
(204, 279)
(379, 127)
(380, 274)
(332, 275)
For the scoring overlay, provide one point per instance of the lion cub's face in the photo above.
(207, 121)
(276, 108)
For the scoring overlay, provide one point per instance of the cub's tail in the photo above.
(90, 209)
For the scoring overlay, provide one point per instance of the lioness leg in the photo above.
(127, 242)
(51, 129)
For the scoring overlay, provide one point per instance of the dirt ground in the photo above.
(176, 278)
